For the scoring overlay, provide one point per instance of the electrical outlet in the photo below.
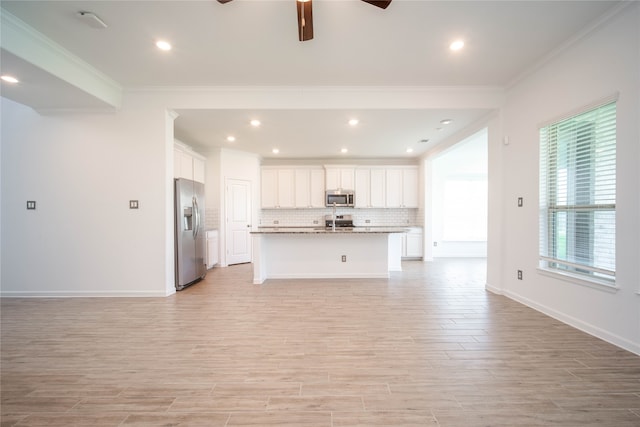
(519, 274)
(367, 221)
(133, 204)
(344, 258)
(276, 222)
(315, 222)
(435, 244)
(31, 204)
(520, 202)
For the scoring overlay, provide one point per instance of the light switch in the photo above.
(133, 204)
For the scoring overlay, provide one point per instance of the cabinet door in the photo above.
(268, 188)
(316, 177)
(302, 188)
(410, 188)
(378, 182)
(347, 179)
(286, 188)
(186, 166)
(414, 245)
(393, 188)
(363, 188)
(177, 163)
(332, 178)
(198, 170)
(338, 178)
(182, 165)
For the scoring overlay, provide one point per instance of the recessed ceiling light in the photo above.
(163, 45)
(409, 150)
(344, 150)
(9, 79)
(446, 121)
(354, 122)
(255, 123)
(275, 151)
(231, 138)
(456, 45)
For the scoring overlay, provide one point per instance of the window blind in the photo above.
(578, 194)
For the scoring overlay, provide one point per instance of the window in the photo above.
(578, 195)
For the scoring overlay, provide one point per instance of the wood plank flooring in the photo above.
(428, 347)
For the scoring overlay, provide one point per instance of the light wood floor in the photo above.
(427, 347)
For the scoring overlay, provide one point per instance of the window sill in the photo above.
(600, 285)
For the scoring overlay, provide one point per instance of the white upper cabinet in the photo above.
(402, 187)
(339, 177)
(277, 188)
(304, 186)
(370, 187)
(410, 185)
(292, 187)
(269, 188)
(316, 188)
(198, 169)
(188, 164)
(309, 188)
(286, 188)
(363, 188)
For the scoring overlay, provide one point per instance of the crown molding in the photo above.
(33, 47)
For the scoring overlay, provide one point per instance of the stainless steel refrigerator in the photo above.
(189, 231)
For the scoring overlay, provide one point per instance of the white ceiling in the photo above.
(254, 43)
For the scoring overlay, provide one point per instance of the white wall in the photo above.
(82, 170)
(604, 62)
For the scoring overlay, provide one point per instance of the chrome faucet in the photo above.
(333, 217)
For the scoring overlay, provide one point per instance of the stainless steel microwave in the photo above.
(339, 198)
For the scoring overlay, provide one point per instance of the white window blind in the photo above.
(578, 194)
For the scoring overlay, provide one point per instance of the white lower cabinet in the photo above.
(212, 248)
(412, 243)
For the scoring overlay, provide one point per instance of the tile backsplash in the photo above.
(311, 217)
(211, 217)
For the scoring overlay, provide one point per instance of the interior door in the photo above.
(238, 206)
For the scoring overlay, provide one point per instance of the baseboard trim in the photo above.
(75, 294)
(574, 322)
(493, 289)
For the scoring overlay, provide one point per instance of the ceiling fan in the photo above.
(305, 17)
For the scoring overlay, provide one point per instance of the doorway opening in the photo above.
(460, 199)
(238, 221)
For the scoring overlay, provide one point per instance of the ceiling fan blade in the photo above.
(380, 3)
(305, 20)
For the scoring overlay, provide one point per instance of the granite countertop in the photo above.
(323, 230)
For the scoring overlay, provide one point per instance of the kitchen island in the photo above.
(324, 253)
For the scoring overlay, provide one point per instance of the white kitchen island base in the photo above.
(319, 255)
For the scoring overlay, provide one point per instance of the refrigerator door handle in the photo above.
(196, 228)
